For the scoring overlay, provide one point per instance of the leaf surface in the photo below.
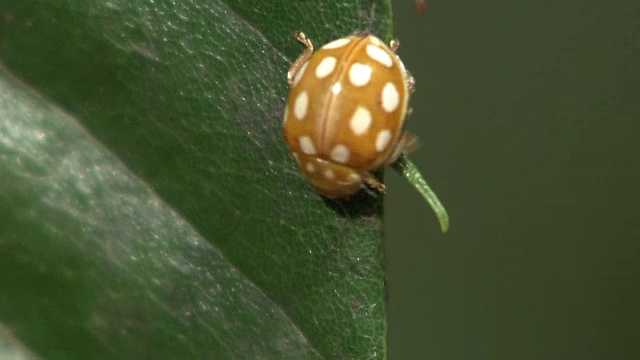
(147, 201)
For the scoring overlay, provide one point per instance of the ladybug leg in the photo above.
(411, 82)
(407, 144)
(394, 45)
(293, 70)
(371, 182)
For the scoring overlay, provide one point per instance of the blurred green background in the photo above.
(528, 116)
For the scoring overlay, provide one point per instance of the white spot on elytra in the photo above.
(360, 121)
(382, 140)
(336, 88)
(352, 179)
(325, 67)
(390, 97)
(359, 74)
(340, 153)
(310, 168)
(337, 43)
(306, 144)
(379, 55)
(375, 40)
(296, 79)
(329, 174)
(300, 105)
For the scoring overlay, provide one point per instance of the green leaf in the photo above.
(148, 207)
(11, 348)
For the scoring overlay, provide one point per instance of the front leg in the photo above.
(295, 67)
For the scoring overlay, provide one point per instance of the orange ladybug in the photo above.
(345, 116)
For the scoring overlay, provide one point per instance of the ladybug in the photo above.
(345, 116)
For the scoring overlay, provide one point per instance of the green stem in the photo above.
(410, 172)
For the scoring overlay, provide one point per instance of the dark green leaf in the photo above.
(11, 348)
(174, 224)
